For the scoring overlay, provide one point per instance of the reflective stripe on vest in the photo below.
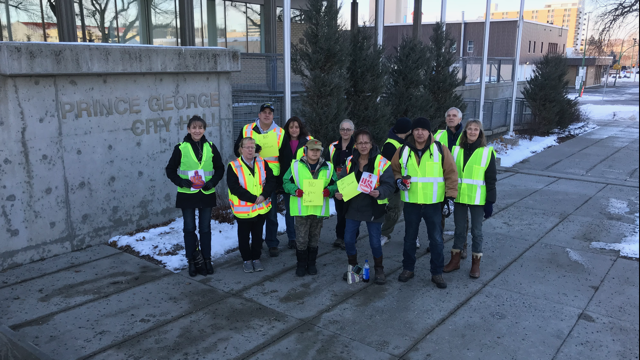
(472, 188)
(189, 162)
(303, 150)
(254, 184)
(332, 149)
(442, 137)
(295, 203)
(429, 185)
(380, 165)
(247, 131)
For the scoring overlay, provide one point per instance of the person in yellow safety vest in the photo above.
(426, 176)
(251, 183)
(196, 190)
(270, 137)
(450, 137)
(295, 139)
(477, 178)
(395, 139)
(337, 153)
(368, 207)
(309, 218)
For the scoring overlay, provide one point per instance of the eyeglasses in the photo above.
(345, 130)
(363, 143)
(249, 147)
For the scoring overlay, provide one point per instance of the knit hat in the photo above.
(402, 126)
(422, 123)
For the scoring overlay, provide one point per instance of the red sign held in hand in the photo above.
(197, 180)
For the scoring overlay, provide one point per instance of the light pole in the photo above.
(633, 52)
(584, 54)
(620, 57)
(485, 54)
(516, 63)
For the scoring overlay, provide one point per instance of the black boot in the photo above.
(353, 261)
(302, 256)
(292, 244)
(208, 265)
(311, 264)
(192, 269)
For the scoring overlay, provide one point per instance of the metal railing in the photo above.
(497, 113)
(246, 105)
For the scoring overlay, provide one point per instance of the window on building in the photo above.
(236, 29)
(534, 47)
(552, 48)
(454, 47)
(563, 48)
(470, 46)
(541, 47)
(529, 47)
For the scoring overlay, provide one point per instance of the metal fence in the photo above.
(497, 113)
(246, 105)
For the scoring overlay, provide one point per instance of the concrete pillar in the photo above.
(270, 23)
(66, 15)
(417, 18)
(187, 24)
(145, 21)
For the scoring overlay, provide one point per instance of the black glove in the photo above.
(208, 185)
(185, 183)
(488, 209)
(447, 210)
(401, 185)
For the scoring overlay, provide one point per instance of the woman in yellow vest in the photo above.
(477, 178)
(196, 168)
(370, 207)
(295, 139)
(251, 183)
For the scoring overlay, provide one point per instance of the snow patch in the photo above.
(618, 207)
(574, 256)
(510, 155)
(629, 246)
(611, 112)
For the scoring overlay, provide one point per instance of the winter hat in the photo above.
(314, 144)
(402, 126)
(422, 123)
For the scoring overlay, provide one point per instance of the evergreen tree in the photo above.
(367, 73)
(321, 61)
(406, 93)
(443, 77)
(546, 93)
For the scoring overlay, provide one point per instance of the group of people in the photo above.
(424, 175)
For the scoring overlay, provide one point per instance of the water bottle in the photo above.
(365, 274)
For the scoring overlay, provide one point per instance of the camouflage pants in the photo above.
(308, 231)
(394, 209)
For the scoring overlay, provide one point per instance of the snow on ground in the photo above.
(574, 256)
(618, 207)
(609, 112)
(629, 245)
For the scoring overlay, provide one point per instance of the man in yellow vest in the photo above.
(426, 176)
(310, 168)
(270, 138)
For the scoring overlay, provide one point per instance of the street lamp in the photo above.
(620, 57)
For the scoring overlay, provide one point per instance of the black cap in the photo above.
(267, 106)
(422, 123)
(402, 126)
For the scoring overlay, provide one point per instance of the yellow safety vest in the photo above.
(472, 189)
(427, 180)
(393, 142)
(442, 137)
(247, 131)
(302, 151)
(332, 149)
(380, 165)
(189, 162)
(254, 183)
(301, 172)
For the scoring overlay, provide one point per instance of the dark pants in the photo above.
(189, 230)
(271, 237)
(462, 224)
(289, 220)
(250, 228)
(342, 221)
(432, 215)
(394, 209)
(351, 231)
(309, 228)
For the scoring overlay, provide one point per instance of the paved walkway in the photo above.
(543, 293)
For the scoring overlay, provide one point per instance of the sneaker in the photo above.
(384, 240)
(417, 243)
(274, 252)
(439, 281)
(405, 275)
(257, 265)
(247, 266)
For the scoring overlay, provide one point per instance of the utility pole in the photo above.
(286, 19)
(417, 19)
(584, 56)
(485, 54)
(633, 52)
(443, 13)
(516, 64)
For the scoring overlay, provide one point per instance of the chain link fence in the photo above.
(497, 113)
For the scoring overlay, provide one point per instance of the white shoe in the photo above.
(384, 240)
(418, 243)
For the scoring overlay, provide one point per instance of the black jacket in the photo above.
(243, 194)
(388, 150)
(197, 200)
(490, 176)
(285, 157)
(335, 160)
(452, 137)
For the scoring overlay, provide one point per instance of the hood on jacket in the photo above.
(375, 151)
(394, 136)
(321, 162)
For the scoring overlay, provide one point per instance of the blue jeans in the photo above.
(351, 234)
(189, 230)
(271, 237)
(432, 215)
(291, 225)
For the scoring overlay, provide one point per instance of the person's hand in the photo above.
(402, 185)
(186, 183)
(447, 210)
(338, 196)
(326, 193)
(197, 180)
(208, 185)
(299, 193)
(259, 200)
(374, 193)
(488, 209)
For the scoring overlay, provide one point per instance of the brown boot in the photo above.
(454, 263)
(353, 261)
(379, 279)
(475, 265)
(463, 253)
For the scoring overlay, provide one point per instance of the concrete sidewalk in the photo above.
(543, 292)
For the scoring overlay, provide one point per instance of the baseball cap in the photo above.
(314, 144)
(267, 106)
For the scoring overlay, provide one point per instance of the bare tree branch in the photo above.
(612, 15)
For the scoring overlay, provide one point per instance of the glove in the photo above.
(208, 185)
(326, 193)
(447, 210)
(185, 183)
(299, 193)
(488, 209)
(402, 185)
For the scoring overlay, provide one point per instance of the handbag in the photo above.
(198, 260)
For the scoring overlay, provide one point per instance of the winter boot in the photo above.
(463, 254)
(292, 244)
(353, 261)
(208, 265)
(302, 256)
(192, 269)
(475, 265)
(311, 264)
(454, 263)
(379, 278)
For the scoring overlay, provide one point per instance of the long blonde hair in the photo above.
(463, 136)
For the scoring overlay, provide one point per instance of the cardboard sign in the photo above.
(367, 182)
(312, 192)
(348, 187)
(269, 144)
(197, 178)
